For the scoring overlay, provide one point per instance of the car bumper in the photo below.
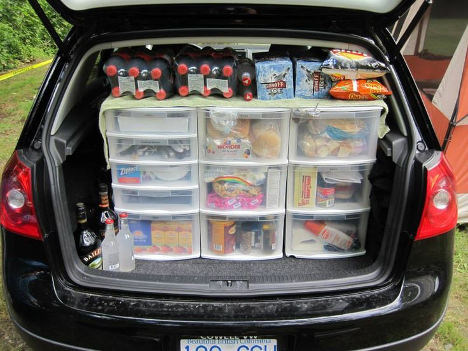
(50, 314)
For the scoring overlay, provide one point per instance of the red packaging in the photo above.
(359, 89)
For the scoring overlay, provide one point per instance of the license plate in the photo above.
(228, 345)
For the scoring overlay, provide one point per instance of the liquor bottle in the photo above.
(110, 249)
(88, 243)
(105, 212)
(125, 243)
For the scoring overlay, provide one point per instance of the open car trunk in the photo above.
(76, 151)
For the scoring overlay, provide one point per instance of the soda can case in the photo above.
(206, 72)
(153, 74)
(244, 238)
(311, 83)
(116, 69)
(315, 235)
(274, 78)
(164, 236)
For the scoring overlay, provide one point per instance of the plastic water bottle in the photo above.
(116, 69)
(110, 249)
(125, 243)
(246, 72)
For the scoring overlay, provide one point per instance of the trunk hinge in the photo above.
(53, 33)
(409, 30)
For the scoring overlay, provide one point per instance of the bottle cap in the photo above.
(111, 70)
(103, 188)
(206, 91)
(115, 91)
(134, 71)
(227, 71)
(182, 69)
(246, 80)
(248, 96)
(205, 69)
(80, 205)
(161, 94)
(123, 215)
(139, 94)
(228, 94)
(109, 221)
(183, 90)
(315, 227)
(156, 73)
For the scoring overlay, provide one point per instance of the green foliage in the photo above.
(22, 35)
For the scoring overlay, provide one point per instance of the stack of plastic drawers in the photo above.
(243, 161)
(154, 161)
(331, 153)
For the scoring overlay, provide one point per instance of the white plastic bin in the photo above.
(325, 236)
(158, 148)
(244, 134)
(244, 238)
(164, 236)
(172, 175)
(148, 121)
(330, 189)
(155, 199)
(331, 135)
(259, 188)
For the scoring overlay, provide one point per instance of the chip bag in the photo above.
(346, 64)
(361, 89)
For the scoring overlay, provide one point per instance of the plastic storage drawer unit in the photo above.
(162, 174)
(148, 121)
(242, 238)
(158, 148)
(334, 135)
(165, 236)
(244, 134)
(325, 236)
(155, 199)
(330, 189)
(242, 188)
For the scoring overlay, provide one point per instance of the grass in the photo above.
(16, 97)
(443, 35)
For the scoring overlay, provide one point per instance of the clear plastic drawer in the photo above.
(150, 199)
(242, 238)
(331, 135)
(148, 121)
(164, 237)
(331, 189)
(162, 175)
(244, 134)
(242, 188)
(325, 236)
(160, 148)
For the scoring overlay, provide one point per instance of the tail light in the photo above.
(440, 209)
(17, 213)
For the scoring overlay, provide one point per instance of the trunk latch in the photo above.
(229, 285)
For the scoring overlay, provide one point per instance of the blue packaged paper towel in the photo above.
(274, 78)
(311, 83)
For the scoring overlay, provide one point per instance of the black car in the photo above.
(392, 296)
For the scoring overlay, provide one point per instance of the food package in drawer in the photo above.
(164, 237)
(155, 199)
(244, 134)
(334, 134)
(137, 148)
(242, 188)
(148, 121)
(325, 235)
(158, 174)
(242, 238)
(334, 189)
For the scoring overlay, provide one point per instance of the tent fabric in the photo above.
(439, 121)
(462, 116)
(446, 96)
(457, 155)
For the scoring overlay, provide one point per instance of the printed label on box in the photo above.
(148, 85)
(196, 82)
(311, 83)
(274, 79)
(220, 84)
(141, 232)
(128, 174)
(273, 188)
(228, 148)
(126, 84)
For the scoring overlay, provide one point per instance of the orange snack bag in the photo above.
(359, 89)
